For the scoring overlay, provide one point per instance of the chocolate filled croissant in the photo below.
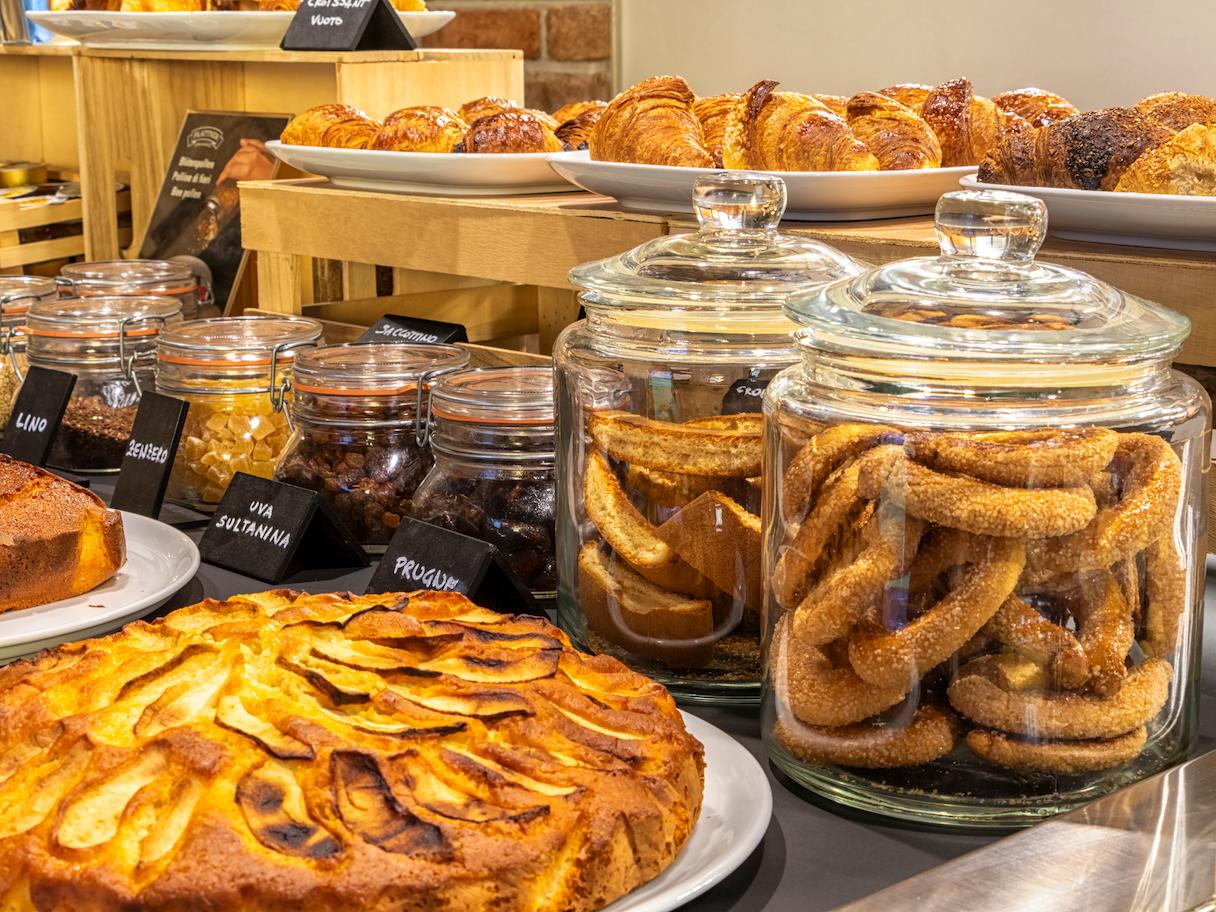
(472, 111)
(334, 125)
(1036, 106)
(422, 129)
(713, 112)
(510, 131)
(1088, 152)
(967, 125)
(785, 131)
(576, 131)
(1177, 110)
(651, 123)
(909, 94)
(897, 137)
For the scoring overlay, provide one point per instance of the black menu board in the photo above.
(347, 25)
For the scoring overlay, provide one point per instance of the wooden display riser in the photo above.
(39, 104)
(536, 240)
(131, 105)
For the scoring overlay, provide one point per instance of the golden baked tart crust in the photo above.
(284, 751)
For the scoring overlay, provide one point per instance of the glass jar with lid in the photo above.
(110, 345)
(356, 438)
(17, 293)
(492, 432)
(162, 278)
(658, 395)
(984, 521)
(235, 372)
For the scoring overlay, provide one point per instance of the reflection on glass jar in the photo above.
(356, 436)
(492, 433)
(110, 345)
(660, 439)
(17, 293)
(235, 373)
(983, 533)
(144, 278)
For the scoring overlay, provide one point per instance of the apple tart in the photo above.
(283, 751)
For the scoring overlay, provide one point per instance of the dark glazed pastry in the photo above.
(422, 129)
(967, 125)
(510, 131)
(1177, 110)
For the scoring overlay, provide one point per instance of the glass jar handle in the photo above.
(739, 201)
(65, 286)
(993, 224)
(127, 362)
(279, 389)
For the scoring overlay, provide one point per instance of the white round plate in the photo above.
(160, 561)
(1137, 219)
(811, 195)
(215, 30)
(440, 173)
(735, 813)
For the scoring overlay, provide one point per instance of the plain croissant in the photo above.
(785, 131)
(651, 123)
(897, 137)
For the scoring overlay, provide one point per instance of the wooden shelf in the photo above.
(275, 55)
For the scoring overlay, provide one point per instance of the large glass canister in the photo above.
(110, 345)
(492, 432)
(356, 438)
(17, 293)
(161, 278)
(658, 396)
(983, 533)
(236, 374)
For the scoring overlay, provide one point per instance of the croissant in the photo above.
(577, 109)
(1177, 110)
(909, 94)
(510, 131)
(1184, 164)
(897, 137)
(651, 123)
(421, 129)
(1036, 106)
(472, 111)
(336, 125)
(1087, 152)
(785, 131)
(576, 131)
(837, 104)
(966, 124)
(713, 112)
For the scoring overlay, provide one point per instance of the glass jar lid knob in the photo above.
(739, 200)
(992, 224)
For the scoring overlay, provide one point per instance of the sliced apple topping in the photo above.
(364, 655)
(490, 668)
(490, 771)
(430, 788)
(590, 725)
(91, 817)
(369, 808)
(232, 715)
(341, 685)
(478, 704)
(24, 751)
(183, 702)
(273, 805)
(171, 821)
(183, 666)
(375, 725)
(37, 787)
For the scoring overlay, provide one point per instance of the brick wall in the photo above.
(567, 44)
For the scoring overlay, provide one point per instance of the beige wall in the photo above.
(1095, 52)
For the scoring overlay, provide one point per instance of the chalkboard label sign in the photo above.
(269, 530)
(36, 414)
(144, 474)
(423, 556)
(347, 25)
(745, 395)
(396, 328)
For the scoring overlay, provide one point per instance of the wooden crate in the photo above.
(17, 255)
(130, 105)
(496, 264)
(39, 98)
